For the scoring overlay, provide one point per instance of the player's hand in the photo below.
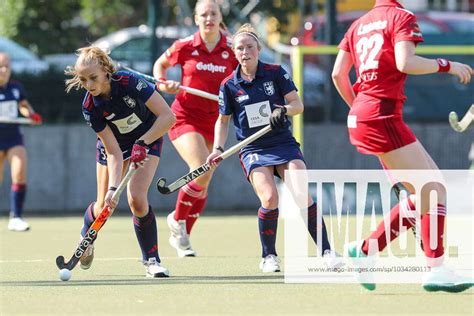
(139, 152)
(111, 203)
(278, 118)
(462, 71)
(213, 159)
(36, 118)
(169, 86)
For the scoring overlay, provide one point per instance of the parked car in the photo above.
(22, 60)
(131, 45)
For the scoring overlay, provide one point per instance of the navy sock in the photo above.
(147, 235)
(89, 218)
(267, 227)
(17, 199)
(313, 228)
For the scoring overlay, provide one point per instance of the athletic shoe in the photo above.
(178, 232)
(443, 279)
(333, 260)
(87, 257)
(188, 252)
(270, 263)
(353, 250)
(154, 269)
(18, 224)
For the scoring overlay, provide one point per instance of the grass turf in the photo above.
(223, 279)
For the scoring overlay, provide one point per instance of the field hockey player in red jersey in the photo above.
(206, 58)
(381, 47)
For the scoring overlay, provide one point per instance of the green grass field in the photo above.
(223, 279)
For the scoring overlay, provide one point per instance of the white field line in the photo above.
(52, 260)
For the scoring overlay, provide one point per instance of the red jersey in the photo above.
(202, 70)
(371, 42)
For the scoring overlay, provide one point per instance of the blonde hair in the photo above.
(199, 2)
(249, 30)
(88, 56)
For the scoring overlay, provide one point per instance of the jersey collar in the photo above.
(198, 42)
(389, 3)
(260, 72)
(98, 101)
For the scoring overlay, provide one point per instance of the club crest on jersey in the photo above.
(16, 93)
(141, 84)
(269, 88)
(225, 54)
(129, 101)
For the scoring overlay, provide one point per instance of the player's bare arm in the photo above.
(165, 118)
(410, 63)
(159, 71)
(294, 105)
(27, 110)
(340, 76)
(221, 132)
(114, 162)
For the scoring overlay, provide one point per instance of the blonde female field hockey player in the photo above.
(130, 118)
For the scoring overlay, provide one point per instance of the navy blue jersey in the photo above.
(251, 103)
(125, 112)
(10, 96)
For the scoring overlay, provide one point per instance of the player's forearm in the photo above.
(162, 124)
(114, 165)
(344, 87)
(416, 65)
(221, 131)
(294, 107)
(160, 67)
(25, 108)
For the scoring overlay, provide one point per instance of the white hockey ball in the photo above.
(64, 274)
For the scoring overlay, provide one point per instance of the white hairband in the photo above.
(248, 33)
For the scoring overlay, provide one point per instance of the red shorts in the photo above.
(182, 127)
(381, 135)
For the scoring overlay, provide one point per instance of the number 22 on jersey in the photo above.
(367, 49)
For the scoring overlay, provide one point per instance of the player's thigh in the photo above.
(298, 182)
(18, 163)
(142, 179)
(193, 148)
(263, 183)
(412, 156)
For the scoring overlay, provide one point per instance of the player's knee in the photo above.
(269, 199)
(138, 204)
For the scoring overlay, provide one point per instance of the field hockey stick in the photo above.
(91, 234)
(190, 90)
(164, 189)
(461, 126)
(18, 120)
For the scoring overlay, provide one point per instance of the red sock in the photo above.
(194, 214)
(380, 233)
(433, 249)
(186, 197)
